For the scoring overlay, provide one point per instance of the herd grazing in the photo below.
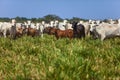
(95, 28)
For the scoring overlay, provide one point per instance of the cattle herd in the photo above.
(65, 29)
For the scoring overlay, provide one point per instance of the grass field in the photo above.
(49, 59)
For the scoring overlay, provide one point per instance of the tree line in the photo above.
(46, 18)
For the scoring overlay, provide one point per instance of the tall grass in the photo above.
(49, 59)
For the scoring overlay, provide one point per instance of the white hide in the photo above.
(4, 27)
(106, 30)
(62, 25)
(69, 26)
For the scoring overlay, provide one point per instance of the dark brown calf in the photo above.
(32, 32)
(50, 30)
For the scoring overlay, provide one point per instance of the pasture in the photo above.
(46, 58)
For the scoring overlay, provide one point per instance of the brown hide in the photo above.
(32, 32)
(64, 33)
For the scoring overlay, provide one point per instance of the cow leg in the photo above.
(1, 34)
(57, 36)
(4, 33)
(42, 35)
(102, 37)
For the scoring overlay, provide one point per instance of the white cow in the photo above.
(106, 30)
(40, 28)
(69, 26)
(56, 23)
(7, 27)
(32, 25)
(51, 24)
(62, 25)
(4, 28)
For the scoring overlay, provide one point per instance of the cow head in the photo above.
(93, 31)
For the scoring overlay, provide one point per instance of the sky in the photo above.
(85, 9)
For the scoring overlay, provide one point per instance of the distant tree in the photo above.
(18, 19)
(67, 19)
(34, 20)
(51, 17)
(75, 19)
(5, 19)
(21, 19)
(105, 20)
(40, 19)
(24, 19)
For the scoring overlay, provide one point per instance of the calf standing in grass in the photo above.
(64, 33)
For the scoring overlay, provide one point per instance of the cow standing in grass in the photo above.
(5, 28)
(79, 30)
(68, 33)
(105, 30)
